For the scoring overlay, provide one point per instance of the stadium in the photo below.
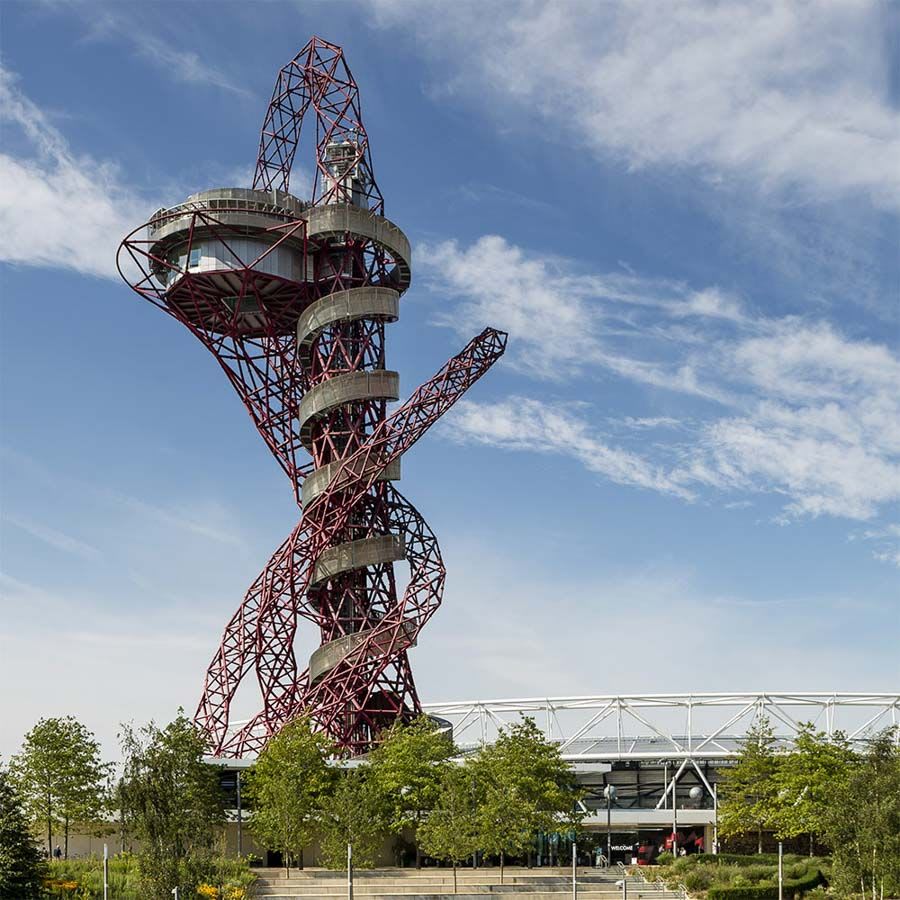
(649, 763)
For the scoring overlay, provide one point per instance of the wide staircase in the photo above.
(472, 884)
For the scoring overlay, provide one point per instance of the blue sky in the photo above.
(685, 475)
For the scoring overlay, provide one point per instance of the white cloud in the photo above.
(154, 39)
(520, 423)
(802, 411)
(780, 95)
(886, 541)
(183, 65)
(58, 209)
(59, 540)
(564, 320)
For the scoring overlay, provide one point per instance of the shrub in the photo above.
(218, 878)
(767, 891)
(700, 879)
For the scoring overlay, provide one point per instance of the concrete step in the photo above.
(465, 894)
(413, 891)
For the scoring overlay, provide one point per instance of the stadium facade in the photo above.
(662, 755)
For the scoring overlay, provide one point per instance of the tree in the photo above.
(862, 824)
(352, 814)
(524, 786)
(748, 790)
(407, 770)
(173, 803)
(450, 833)
(287, 787)
(808, 779)
(21, 867)
(60, 776)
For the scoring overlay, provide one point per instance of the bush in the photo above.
(82, 879)
(768, 891)
(700, 879)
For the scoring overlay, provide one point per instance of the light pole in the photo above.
(349, 872)
(610, 793)
(780, 871)
(240, 836)
(716, 817)
(675, 816)
(696, 794)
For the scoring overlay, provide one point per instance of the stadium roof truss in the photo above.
(669, 727)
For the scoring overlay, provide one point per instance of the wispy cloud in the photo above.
(521, 423)
(59, 540)
(58, 209)
(886, 542)
(565, 320)
(801, 410)
(151, 39)
(782, 96)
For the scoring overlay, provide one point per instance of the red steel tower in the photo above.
(292, 297)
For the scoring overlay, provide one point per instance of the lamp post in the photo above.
(696, 794)
(610, 793)
(716, 817)
(675, 816)
(240, 836)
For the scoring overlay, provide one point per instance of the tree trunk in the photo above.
(759, 839)
(529, 858)
(501, 867)
(418, 856)
(811, 841)
(66, 838)
(300, 866)
(49, 828)
(454, 877)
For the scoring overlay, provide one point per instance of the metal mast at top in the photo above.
(319, 77)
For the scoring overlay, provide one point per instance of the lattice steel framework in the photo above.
(685, 727)
(292, 298)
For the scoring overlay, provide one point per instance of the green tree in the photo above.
(451, 833)
(287, 787)
(748, 791)
(60, 776)
(808, 779)
(173, 804)
(353, 813)
(407, 769)
(862, 824)
(21, 867)
(524, 786)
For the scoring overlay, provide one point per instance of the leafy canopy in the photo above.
(60, 775)
(407, 770)
(173, 803)
(808, 778)
(451, 832)
(748, 791)
(525, 786)
(21, 868)
(353, 813)
(862, 821)
(287, 788)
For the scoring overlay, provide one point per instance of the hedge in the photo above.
(749, 859)
(759, 892)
